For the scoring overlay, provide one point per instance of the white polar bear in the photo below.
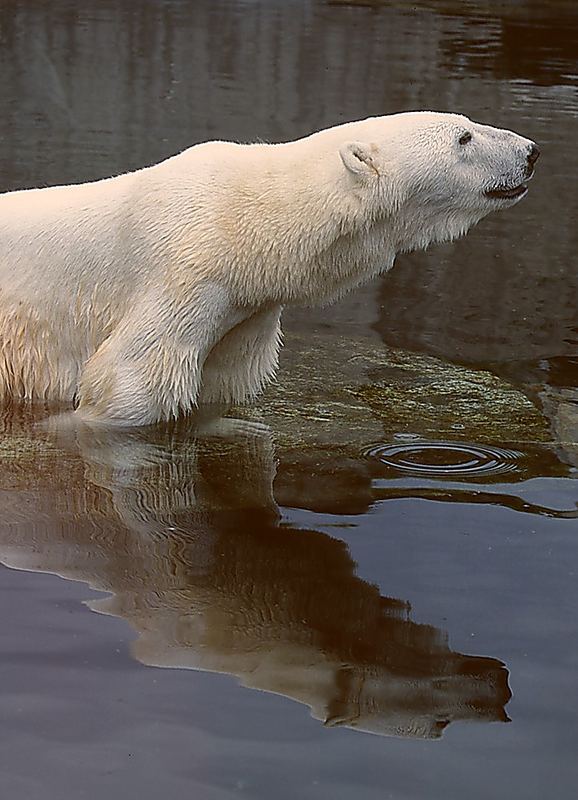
(143, 295)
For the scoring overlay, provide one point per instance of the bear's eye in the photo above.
(465, 137)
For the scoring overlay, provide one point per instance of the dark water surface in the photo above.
(399, 584)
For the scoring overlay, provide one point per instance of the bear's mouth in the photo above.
(506, 192)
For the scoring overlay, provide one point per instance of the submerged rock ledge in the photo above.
(340, 391)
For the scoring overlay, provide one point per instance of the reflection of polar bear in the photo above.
(184, 532)
(144, 294)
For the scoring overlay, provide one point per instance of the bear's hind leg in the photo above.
(244, 361)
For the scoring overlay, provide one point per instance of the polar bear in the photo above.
(140, 296)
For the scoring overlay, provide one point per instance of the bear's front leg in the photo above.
(149, 368)
(244, 360)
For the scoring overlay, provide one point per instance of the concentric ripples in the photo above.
(442, 459)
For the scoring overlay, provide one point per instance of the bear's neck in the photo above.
(303, 236)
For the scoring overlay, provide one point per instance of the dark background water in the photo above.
(89, 89)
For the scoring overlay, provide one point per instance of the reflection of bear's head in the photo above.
(283, 610)
(190, 545)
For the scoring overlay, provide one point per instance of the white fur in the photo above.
(142, 295)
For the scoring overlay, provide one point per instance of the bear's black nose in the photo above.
(534, 153)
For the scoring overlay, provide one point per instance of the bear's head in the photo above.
(434, 175)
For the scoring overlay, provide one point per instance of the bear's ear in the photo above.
(359, 158)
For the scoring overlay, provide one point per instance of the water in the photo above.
(376, 599)
(447, 459)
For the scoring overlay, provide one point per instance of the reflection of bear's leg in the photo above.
(244, 361)
(149, 369)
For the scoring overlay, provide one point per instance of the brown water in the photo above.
(316, 607)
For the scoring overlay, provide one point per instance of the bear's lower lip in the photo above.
(504, 193)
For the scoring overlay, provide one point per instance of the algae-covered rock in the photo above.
(22, 446)
(346, 392)
(561, 407)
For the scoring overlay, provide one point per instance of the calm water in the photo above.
(393, 620)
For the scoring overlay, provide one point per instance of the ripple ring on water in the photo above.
(446, 459)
